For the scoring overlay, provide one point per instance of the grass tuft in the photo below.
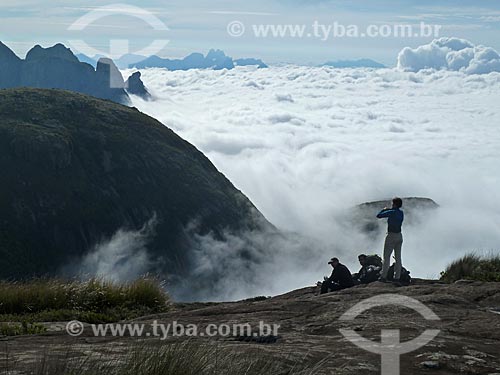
(92, 301)
(186, 358)
(473, 267)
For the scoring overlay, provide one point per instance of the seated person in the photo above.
(340, 278)
(370, 269)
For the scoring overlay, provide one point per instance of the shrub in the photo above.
(473, 267)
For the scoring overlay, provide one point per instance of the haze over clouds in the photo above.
(308, 143)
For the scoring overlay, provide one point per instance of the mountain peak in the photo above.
(7, 54)
(107, 68)
(57, 51)
(57, 67)
(216, 54)
(135, 86)
(10, 67)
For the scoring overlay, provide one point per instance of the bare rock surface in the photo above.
(468, 342)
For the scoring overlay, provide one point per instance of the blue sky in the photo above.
(198, 25)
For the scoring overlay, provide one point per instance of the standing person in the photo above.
(394, 238)
(340, 278)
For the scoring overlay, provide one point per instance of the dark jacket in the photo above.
(367, 274)
(395, 219)
(361, 273)
(342, 276)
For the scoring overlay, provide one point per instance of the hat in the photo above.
(333, 260)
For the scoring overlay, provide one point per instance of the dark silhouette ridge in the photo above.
(10, 67)
(57, 67)
(135, 86)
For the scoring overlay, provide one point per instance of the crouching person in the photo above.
(370, 269)
(340, 278)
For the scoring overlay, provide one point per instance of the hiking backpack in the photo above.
(405, 275)
(374, 260)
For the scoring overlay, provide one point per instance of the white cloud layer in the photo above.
(307, 143)
(450, 54)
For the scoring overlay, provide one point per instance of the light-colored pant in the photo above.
(393, 242)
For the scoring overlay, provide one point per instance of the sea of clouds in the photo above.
(306, 144)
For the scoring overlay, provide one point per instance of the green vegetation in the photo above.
(473, 267)
(187, 358)
(93, 301)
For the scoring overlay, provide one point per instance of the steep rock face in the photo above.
(110, 83)
(10, 67)
(135, 86)
(76, 169)
(57, 67)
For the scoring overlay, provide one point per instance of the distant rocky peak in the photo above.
(216, 54)
(217, 59)
(6, 54)
(58, 51)
(107, 68)
(135, 86)
(106, 64)
(195, 58)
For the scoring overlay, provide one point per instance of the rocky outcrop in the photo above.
(76, 170)
(57, 67)
(309, 338)
(135, 86)
(215, 59)
(110, 83)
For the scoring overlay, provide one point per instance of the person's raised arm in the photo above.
(386, 212)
